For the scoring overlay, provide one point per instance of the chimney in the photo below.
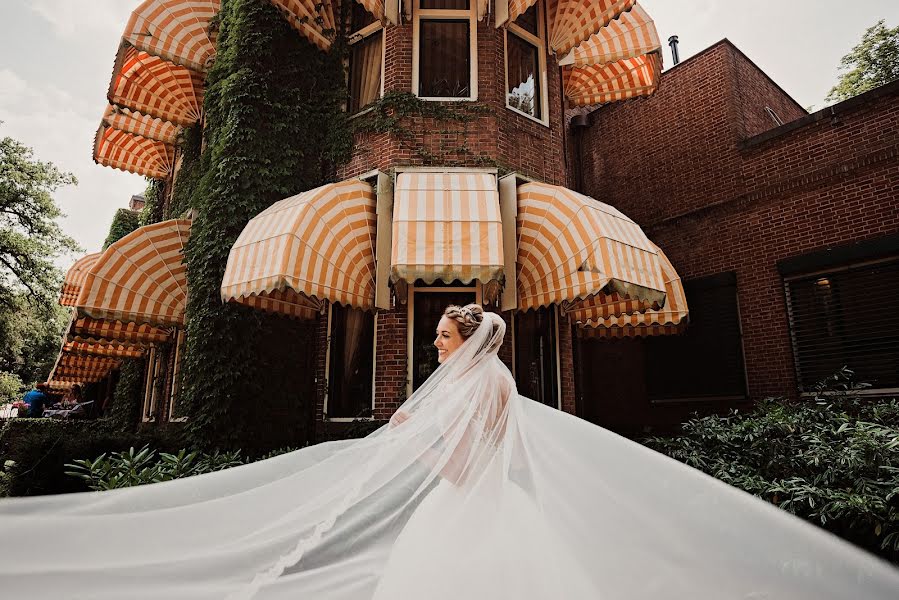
(675, 55)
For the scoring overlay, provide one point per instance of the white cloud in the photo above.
(77, 19)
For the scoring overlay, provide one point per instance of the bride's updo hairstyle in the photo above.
(468, 318)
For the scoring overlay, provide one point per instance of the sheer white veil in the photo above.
(321, 522)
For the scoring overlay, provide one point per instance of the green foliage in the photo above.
(124, 413)
(129, 468)
(275, 126)
(30, 237)
(124, 222)
(39, 449)
(29, 337)
(10, 387)
(190, 173)
(873, 62)
(833, 460)
(154, 196)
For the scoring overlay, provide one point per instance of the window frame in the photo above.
(539, 41)
(557, 317)
(433, 14)
(826, 272)
(357, 37)
(374, 364)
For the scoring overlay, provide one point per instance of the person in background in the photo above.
(73, 397)
(36, 399)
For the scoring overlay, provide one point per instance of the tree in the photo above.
(30, 237)
(872, 63)
(30, 337)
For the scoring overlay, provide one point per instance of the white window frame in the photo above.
(175, 392)
(447, 15)
(374, 364)
(540, 42)
(357, 37)
(410, 316)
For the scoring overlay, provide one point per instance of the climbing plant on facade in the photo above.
(275, 126)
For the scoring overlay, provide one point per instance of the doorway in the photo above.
(536, 356)
(426, 306)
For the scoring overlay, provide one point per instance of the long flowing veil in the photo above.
(567, 499)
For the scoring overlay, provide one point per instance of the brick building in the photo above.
(755, 202)
(480, 175)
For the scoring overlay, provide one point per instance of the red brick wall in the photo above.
(716, 202)
(391, 368)
(496, 137)
(753, 91)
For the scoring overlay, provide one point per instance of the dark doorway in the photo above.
(536, 371)
(428, 305)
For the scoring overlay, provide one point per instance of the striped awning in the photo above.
(612, 315)
(180, 31)
(93, 331)
(571, 247)
(133, 153)
(155, 87)
(71, 286)
(447, 226)
(313, 247)
(140, 278)
(139, 124)
(609, 49)
(108, 349)
(60, 386)
(317, 20)
(74, 368)
(632, 34)
(621, 80)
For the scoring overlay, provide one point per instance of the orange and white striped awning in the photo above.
(616, 316)
(155, 87)
(99, 331)
(71, 286)
(611, 82)
(179, 31)
(73, 368)
(312, 247)
(109, 349)
(316, 20)
(133, 153)
(572, 247)
(632, 34)
(140, 278)
(446, 226)
(139, 124)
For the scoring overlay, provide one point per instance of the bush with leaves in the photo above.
(832, 459)
(10, 387)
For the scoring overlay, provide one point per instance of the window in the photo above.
(846, 316)
(526, 64)
(366, 59)
(536, 367)
(350, 363)
(444, 59)
(706, 361)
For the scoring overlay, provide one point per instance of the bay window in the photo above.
(526, 64)
(366, 46)
(444, 56)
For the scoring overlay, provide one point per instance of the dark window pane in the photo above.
(429, 307)
(847, 318)
(365, 71)
(360, 17)
(444, 59)
(445, 4)
(350, 372)
(528, 20)
(535, 356)
(707, 360)
(524, 79)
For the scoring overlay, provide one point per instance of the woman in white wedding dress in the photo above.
(471, 491)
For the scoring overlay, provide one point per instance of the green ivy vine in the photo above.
(154, 197)
(124, 222)
(275, 126)
(124, 413)
(189, 174)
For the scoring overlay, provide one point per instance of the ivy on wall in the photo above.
(275, 126)
(124, 412)
(124, 222)
(154, 196)
(189, 174)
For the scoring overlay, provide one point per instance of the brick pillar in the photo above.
(566, 365)
(390, 361)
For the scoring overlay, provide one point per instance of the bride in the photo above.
(471, 491)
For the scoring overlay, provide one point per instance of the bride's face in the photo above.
(448, 338)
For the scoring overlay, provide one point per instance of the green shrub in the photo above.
(10, 387)
(35, 451)
(832, 459)
(124, 222)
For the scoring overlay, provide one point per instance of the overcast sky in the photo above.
(56, 58)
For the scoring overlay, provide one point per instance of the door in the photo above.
(536, 366)
(427, 306)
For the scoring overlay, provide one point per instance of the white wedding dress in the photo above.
(480, 494)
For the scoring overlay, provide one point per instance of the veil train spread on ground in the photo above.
(481, 493)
